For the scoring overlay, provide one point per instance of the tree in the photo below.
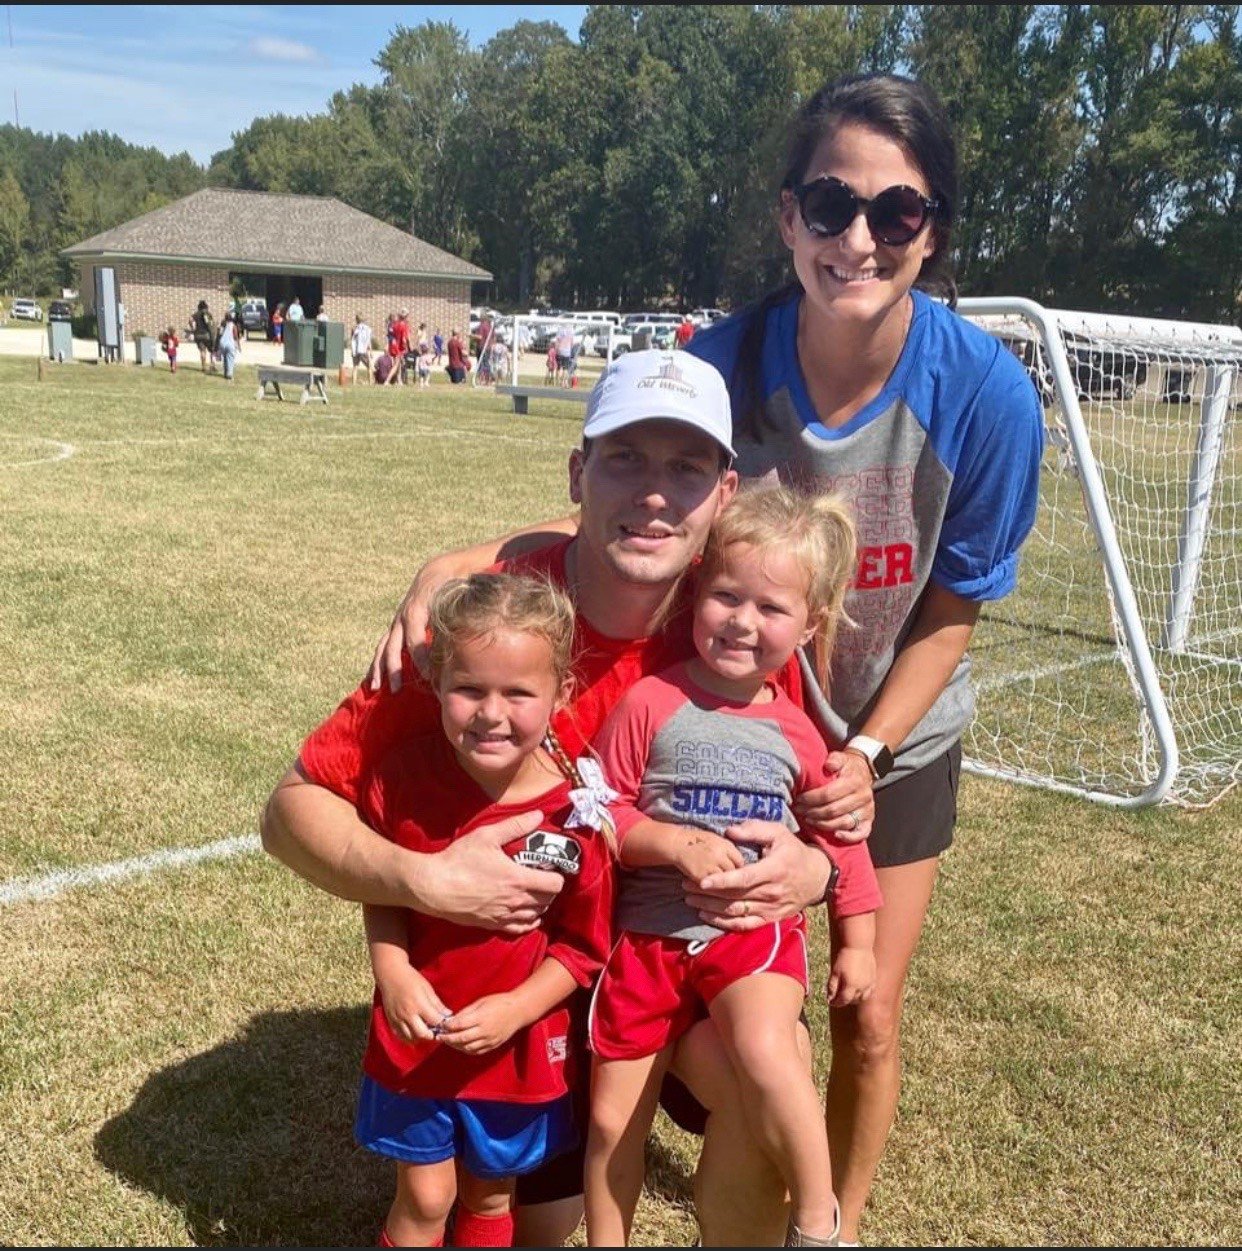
(14, 227)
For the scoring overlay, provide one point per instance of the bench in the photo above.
(522, 394)
(310, 380)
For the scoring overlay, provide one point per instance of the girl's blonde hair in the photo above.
(816, 530)
(484, 603)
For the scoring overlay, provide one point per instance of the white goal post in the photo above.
(1114, 671)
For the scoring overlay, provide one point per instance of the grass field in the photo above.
(190, 580)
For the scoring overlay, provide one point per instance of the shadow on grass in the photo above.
(253, 1140)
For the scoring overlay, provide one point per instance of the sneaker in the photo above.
(794, 1237)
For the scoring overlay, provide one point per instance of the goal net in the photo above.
(1114, 671)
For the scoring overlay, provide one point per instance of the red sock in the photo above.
(471, 1229)
(386, 1241)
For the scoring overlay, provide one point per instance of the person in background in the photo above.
(228, 344)
(458, 360)
(169, 342)
(278, 324)
(360, 347)
(684, 332)
(437, 345)
(203, 328)
(295, 310)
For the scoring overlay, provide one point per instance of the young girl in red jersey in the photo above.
(465, 1083)
(695, 750)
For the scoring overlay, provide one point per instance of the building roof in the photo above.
(266, 231)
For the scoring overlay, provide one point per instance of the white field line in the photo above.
(65, 450)
(48, 886)
(60, 451)
(983, 685)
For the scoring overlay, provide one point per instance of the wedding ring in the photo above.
(854, 821)
(746, 907)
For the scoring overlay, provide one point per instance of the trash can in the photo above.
(59, 340)
(299, 343)
(329, 344)
(145, 350)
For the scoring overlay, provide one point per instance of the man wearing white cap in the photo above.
(653, 471)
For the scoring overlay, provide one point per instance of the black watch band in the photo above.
(833, 874)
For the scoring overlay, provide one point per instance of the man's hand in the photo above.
(844, 806)
(413, 1008)
(408, 630)
(788, 877)
(483, 1026)
(473, 881)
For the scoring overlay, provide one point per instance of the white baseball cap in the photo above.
(644, 386)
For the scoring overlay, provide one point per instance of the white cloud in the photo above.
(285, 50)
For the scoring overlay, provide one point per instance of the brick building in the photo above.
(275, 246)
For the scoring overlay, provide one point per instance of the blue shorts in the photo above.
(491, 1139)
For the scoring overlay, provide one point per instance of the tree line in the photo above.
(1100, 150)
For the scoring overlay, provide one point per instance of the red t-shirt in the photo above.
(399, 344)
(684, 333)
(420, 797)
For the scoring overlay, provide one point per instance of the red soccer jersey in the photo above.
(420, 797)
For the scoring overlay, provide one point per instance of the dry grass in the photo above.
(193, 589)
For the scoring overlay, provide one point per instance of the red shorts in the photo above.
(653, 989)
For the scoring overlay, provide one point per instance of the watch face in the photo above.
(883, 762)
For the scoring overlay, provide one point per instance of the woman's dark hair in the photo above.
(909, 113)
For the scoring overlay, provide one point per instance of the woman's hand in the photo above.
(788, 877)
(844, 806)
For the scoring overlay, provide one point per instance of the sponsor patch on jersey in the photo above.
(546, 850)
(558, 1049)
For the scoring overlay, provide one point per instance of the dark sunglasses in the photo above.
(895, 216)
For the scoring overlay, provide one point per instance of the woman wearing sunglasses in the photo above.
(853, 378)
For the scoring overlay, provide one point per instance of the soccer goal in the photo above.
(1115, 670)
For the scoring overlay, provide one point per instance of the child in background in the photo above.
(549, 375)
(170, 344)
(693, 751)
(437, 344)
(465, 1082)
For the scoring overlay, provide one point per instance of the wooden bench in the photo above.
(522, 394)
(310, 380)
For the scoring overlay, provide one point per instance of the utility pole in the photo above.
(17, 117)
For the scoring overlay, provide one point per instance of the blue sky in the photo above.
(184, 78)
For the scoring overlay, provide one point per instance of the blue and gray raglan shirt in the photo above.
(942, 471)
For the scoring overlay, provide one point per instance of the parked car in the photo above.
(60, 310)
(254, 317)
(705, 316)
(26, 309)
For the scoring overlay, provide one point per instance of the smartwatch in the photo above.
(877, 755)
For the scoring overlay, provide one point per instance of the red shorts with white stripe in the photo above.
(653, 989)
